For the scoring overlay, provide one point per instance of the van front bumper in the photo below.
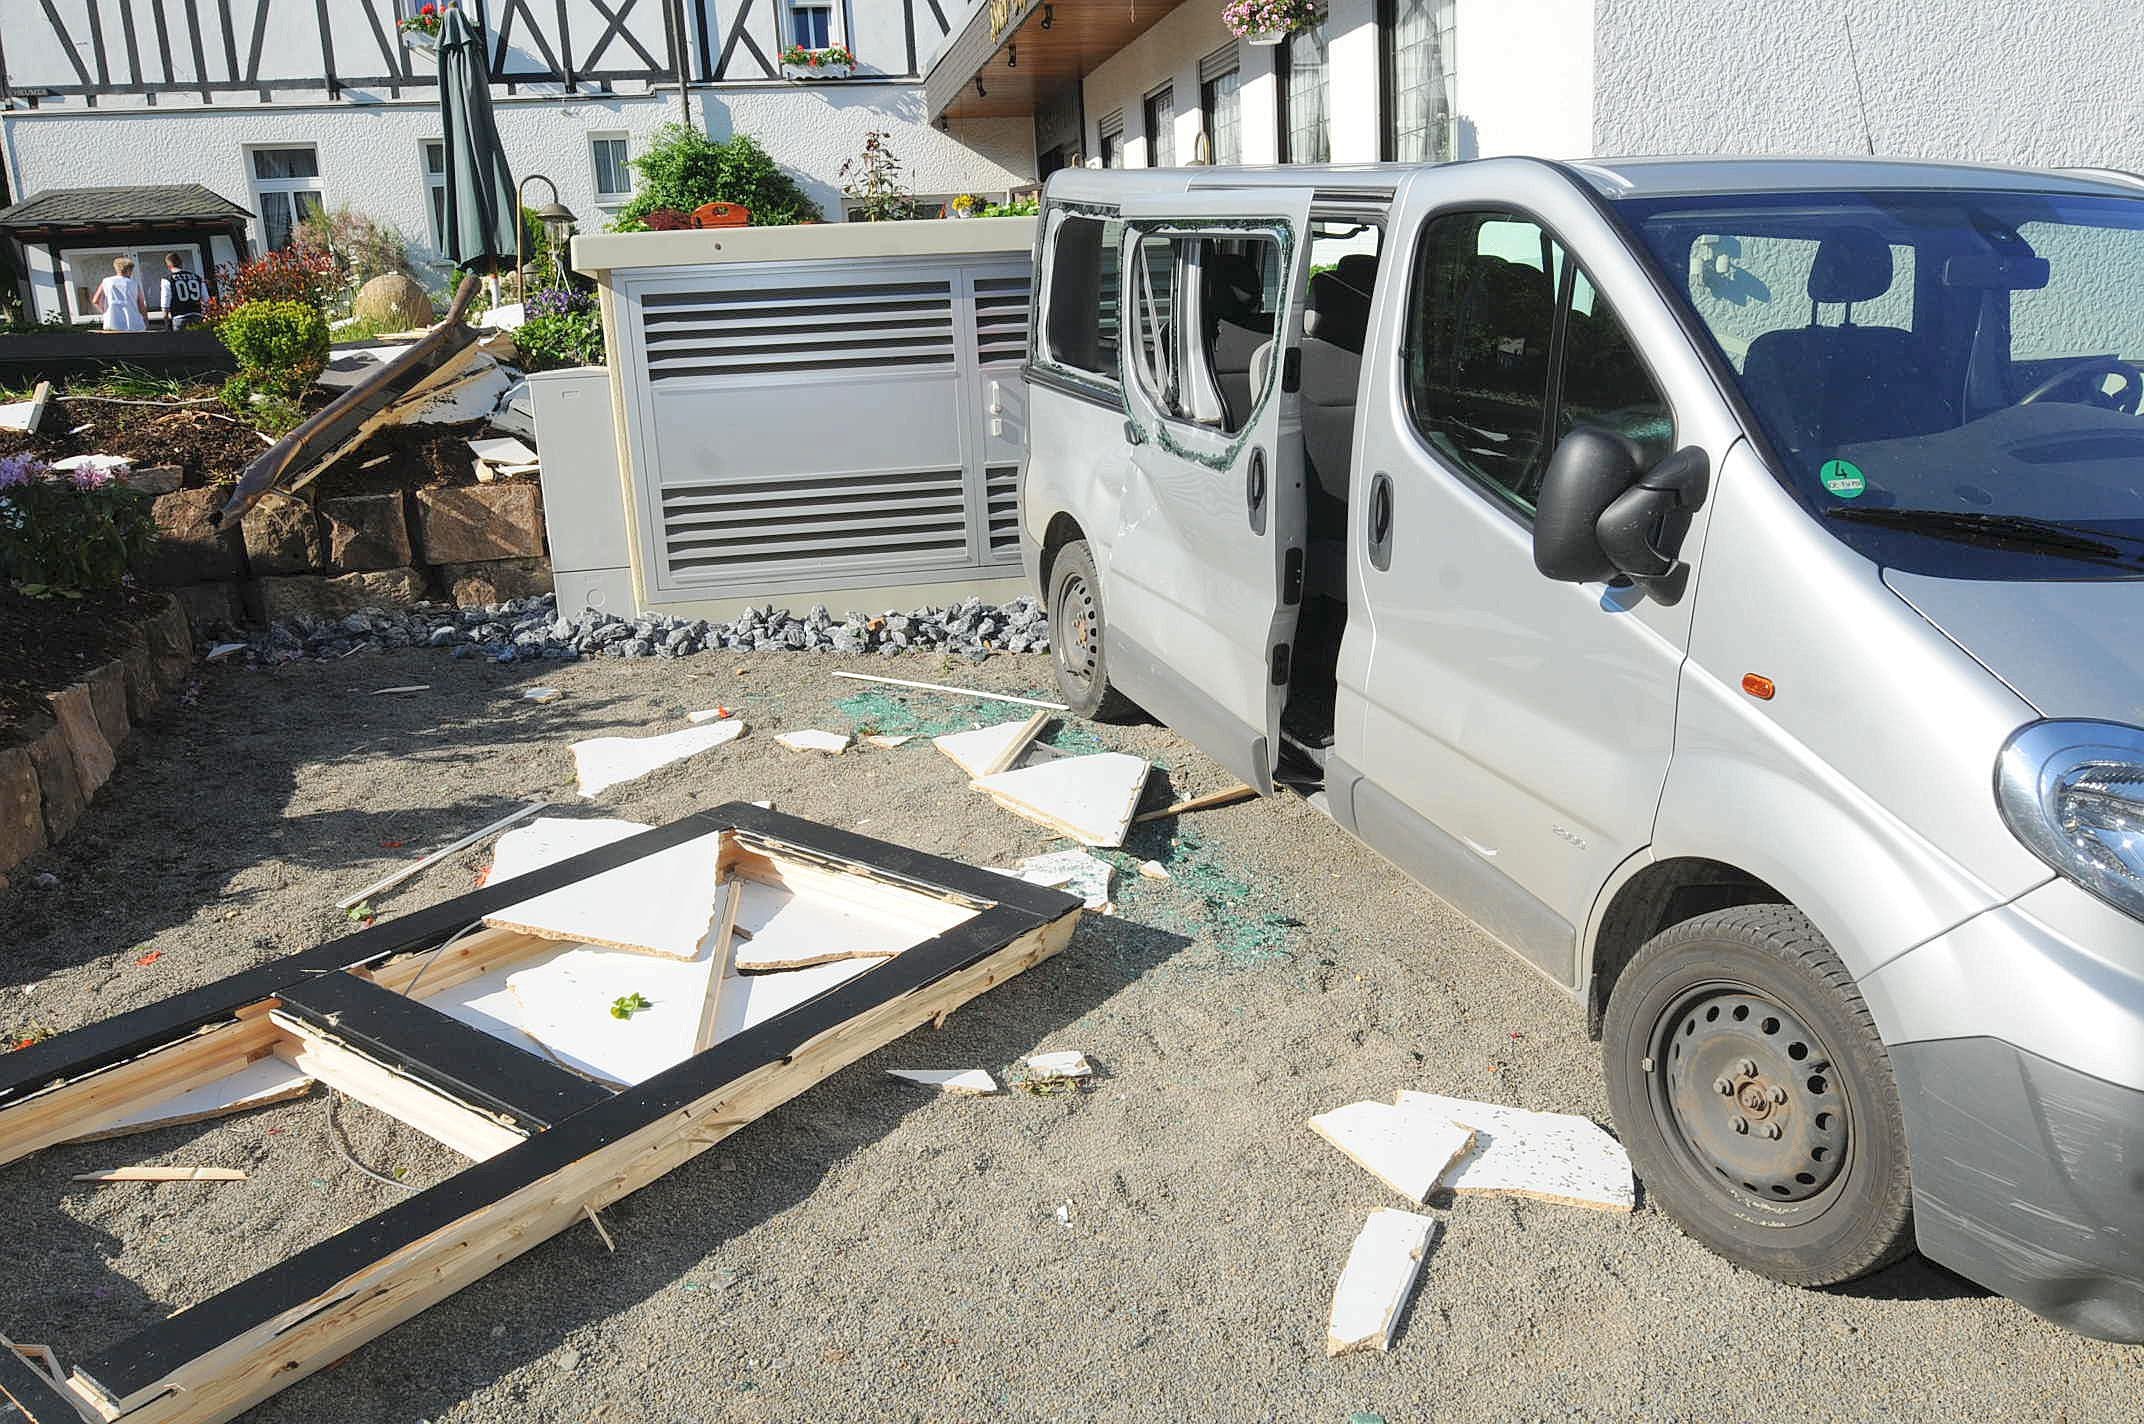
(2028, 1177)
(2017, 1040)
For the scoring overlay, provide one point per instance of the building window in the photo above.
(1112, 141)
(1160, 109)
(286, 191)
(811, 26)
(435, 190)
(1416, 39)
(612, 154)
(1305, 132)
(1219, 79)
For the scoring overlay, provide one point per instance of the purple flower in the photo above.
(89, 477)
(19, 470)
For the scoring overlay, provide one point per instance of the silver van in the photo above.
(1717, 579)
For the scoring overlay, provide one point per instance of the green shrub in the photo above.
(684, 168)
(280, 346)
(76, 529)
(563, 327)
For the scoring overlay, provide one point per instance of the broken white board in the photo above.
(565, 1004)
(603, 762)
(487, 1004)
(505, 451)
(975, 1081)
(1381, 1270)
(662, 904)
(1089, 798)
(1406, 1149)
(811, 739)
(1073, 871)
(787, 931)
(976, 752)
(1070, 1063)
(265, 1081)
(884, 742)
(1558, 1157)
(102, 464)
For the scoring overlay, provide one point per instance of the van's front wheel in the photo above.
(1077, 635)
(1755, 1097)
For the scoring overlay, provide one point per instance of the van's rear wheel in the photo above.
(1756, 1099)
(1078, 638)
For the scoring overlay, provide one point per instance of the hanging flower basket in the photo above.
(1268, 22)
(833, 62)
(421, 31)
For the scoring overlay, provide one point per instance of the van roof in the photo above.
(1369, 183)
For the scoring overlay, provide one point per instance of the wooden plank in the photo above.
(254, 1085)
(162, 1174)
(439, 1117)
(956, 691)
(214, 1361)
(1230, 797)
(703, 1038)
(36, 1397)
(100, 1100)
(396, 877)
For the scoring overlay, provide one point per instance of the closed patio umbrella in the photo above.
(483, 215)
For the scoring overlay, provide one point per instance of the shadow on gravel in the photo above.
(1915, 1278)
(670, 1234)
(199, 811)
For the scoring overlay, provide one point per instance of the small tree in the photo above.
(874, 185)
(684, 168)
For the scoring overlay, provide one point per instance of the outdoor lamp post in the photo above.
(557, 220)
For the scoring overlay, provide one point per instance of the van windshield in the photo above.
(1951, 380)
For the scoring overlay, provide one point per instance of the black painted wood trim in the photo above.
(134, 1365)
(32, 1395)
(435, 1048)
(59, 31)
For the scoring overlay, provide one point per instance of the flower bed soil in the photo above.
(47, 644)
(212, 447)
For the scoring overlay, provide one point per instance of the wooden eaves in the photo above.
(552, 1145)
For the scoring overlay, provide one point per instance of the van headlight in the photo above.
(2073, 792)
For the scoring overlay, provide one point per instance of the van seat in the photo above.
(1232, 296)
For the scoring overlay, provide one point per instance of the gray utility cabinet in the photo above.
(808, 427)
(583, 496)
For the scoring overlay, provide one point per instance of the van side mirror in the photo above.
(1601, 515)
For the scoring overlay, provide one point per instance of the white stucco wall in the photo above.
(372, 155)
(2007, 81)
(1524, 81)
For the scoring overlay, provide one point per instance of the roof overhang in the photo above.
(1024, 50)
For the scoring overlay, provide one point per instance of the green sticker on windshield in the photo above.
(1843, 478)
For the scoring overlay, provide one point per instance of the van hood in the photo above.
(2070, 649)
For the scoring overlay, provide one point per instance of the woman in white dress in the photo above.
(119, 298)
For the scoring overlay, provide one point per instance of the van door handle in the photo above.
(1380, 521)
(1254, 489)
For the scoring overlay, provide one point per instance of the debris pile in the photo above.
(523, 629)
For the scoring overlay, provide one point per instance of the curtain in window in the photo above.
(1222, 109)
(1161, 129)
(1421, 81)
(1309, 135)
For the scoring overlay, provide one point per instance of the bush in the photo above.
(77, 529)
(356, 247)
(296, 274)
(684, 168)
(562, 327)
(280, 346)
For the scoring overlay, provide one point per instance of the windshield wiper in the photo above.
(2017, 530)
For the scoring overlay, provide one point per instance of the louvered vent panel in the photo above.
(1001, 485)
(876, 326)
(1001, 319)
(805, 520)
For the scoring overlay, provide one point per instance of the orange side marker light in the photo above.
(1757, 685)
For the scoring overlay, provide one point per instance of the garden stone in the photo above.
(22, 814)
(467, 524)
(152, 479)
(189, 547)
(85, 740)
(485, 582)
(312, 593)
(282, 536)
(366, 531)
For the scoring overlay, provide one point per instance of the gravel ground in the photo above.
(869, 1251)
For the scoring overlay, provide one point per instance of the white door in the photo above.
(1205, 566)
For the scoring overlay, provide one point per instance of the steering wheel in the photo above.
(2126, 400)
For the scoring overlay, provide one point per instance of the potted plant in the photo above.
(833, 62)
(421, 30)
(967, 205)
(1268, 22)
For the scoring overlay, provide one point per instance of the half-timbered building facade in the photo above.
(288, 106)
